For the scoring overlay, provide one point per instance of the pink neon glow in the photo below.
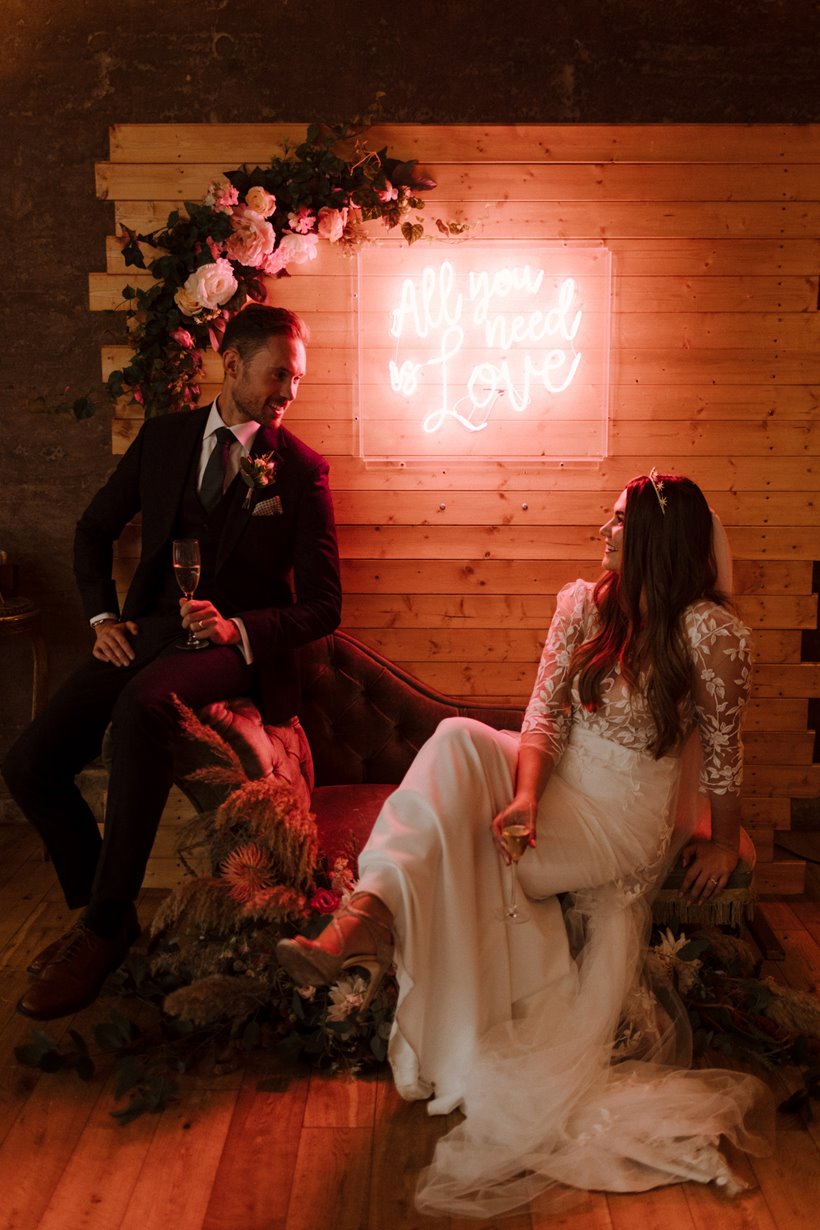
(537, 346)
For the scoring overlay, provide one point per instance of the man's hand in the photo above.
(207, 624)
(112, 643)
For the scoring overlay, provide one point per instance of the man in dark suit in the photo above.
(181, 475)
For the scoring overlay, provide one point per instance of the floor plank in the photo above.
(177, 1177)
(255, 1177)
(278, 1147)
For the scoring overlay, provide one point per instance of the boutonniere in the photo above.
(258, 472)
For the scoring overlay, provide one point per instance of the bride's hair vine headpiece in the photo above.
(657, 485)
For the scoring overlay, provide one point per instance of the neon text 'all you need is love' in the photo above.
(484, 351)
(531, 348)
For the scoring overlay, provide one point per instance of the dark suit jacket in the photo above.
(256, 553)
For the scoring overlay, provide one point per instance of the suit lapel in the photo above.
(173, 467)
(267, 440)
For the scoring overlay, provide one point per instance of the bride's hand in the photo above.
(708, 867)
(522, 810)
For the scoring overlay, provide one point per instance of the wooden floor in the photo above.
(310, 1152)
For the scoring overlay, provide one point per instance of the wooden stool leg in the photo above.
(39, 689)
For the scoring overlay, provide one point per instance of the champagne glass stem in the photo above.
(513, 907)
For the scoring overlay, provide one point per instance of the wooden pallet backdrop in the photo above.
(452, 570)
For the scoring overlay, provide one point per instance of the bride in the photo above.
(571, 1067)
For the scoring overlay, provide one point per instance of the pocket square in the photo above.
(268, 508)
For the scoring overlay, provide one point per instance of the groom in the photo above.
(181, 474)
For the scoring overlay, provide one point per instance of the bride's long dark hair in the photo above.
(667, 563)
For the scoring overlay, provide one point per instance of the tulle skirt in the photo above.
(571, 1070)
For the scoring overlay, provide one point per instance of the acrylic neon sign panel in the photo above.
(496, 351)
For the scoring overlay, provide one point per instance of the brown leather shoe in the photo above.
(72, 979)
(37, 964)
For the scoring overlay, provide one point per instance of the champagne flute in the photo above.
(516, 839)
(186, 570)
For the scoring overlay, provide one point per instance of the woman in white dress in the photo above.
(571, 1068)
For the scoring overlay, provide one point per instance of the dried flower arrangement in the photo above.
(217, 991)
(210, 974)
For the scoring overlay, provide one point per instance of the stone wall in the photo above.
(68, 70)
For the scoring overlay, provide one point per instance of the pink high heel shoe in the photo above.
(321, 962)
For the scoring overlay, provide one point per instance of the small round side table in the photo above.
(20, 617)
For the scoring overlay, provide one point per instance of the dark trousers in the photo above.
(137, 700)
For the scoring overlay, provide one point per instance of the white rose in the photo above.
(332, 223)
(211, 285)
(252, 239)
(260, 201)
(298, 248)
(187, 304)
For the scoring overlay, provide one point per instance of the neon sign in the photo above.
(473, 350)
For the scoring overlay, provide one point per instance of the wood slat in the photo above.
(233, 143)
(440, 611)
(570, 220)
(502, 508)
(514, 644)
(515, 679)
(520, 181)
(377, 542)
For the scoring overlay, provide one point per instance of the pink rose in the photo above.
(331, 223)
(388, 192)
(324, 901)
(260, 201)
(221, 195)
(182, 337)
(298, 248)
(302, 220)
(274, 261)
(210, 286)
(252, 239)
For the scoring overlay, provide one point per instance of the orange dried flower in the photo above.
(247, 871)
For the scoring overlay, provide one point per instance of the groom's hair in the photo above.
(249, 329)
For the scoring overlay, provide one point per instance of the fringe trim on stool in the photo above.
(729, 909)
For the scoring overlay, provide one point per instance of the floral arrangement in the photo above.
(258, 473)
(735, 1013)
(217, 991)
(211, 974)
(254, 223)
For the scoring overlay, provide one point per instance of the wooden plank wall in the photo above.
(452, 570)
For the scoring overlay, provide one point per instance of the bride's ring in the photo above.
(713, 880)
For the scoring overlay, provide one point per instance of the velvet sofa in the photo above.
(362, 721)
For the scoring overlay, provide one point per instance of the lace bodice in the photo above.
(720, 649)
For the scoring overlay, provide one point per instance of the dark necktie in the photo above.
(213, 480)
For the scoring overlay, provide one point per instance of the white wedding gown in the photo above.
(570, 1069)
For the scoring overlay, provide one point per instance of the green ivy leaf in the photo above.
(412, 231)
(130, 1073)
(83, 409)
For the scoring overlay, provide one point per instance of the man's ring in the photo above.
(713, 880)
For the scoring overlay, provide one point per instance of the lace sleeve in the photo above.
(548, 717)
(721, 655)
